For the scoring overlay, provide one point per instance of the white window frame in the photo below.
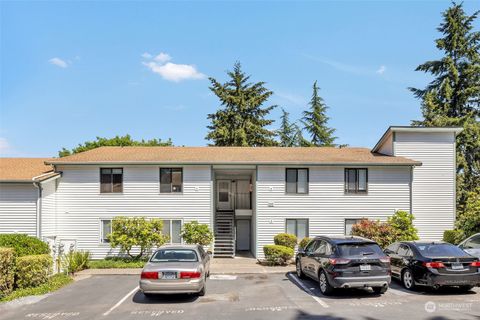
(171, 224)
(345, 224)
(102, 236)
(296, 226)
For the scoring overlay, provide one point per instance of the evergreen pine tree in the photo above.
(452, 98)
(242, 120)
(315, 122)
(287, 132)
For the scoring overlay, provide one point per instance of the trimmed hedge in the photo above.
(33, 270)
(286, 240)
(23, 244)
(452, 236)
(7, 271)
(277, 255)
(53, 283)
(304, 242)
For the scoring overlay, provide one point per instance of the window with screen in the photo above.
(356, 180)
(298, 227)
(111, 180)
(296, 180)
(171, 180)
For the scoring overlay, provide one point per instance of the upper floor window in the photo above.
(111, 180)
(171, 180)
(356, 180)
(297, 180)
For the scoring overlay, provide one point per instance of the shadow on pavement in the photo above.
(139, 297)
(396, 284)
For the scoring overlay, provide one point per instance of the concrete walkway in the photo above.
(236, 265)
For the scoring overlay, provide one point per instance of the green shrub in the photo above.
(402, 224)
(32, 271)
(7, 270)
(116, 263)
(304, 242)
(136, 232)
(469, 221)
(453, 236)
(23, 244)
(286, 240)
(380, 232)
(277, 255)
(196, 233)
(53, 283)
(75, 261)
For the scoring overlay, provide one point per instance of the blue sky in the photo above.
(71, 71)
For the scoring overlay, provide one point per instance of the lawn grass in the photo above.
(115, 264)
(55, 282)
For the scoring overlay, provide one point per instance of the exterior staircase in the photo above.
(224, 234)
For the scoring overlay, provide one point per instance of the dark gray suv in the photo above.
(344, 262)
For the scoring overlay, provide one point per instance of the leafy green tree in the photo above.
(242, 120)
(452, 98)
(402, 224)
(196, 233)
(287, 132)
(117, 141)
(469, 221)
(141, 233)
(315, 122)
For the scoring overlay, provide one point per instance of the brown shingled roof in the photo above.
(25, 169)
(232, 155)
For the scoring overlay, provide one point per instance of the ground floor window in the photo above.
(348, 225)
(298, 227)
(172, 229)
(106, 229)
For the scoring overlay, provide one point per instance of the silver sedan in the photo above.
(176, 269)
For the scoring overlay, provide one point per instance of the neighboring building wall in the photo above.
(327, 205)
(48, 219)
(433, 190)
(80, 205)
(18, 208)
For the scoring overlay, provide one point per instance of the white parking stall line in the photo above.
(302, 285)
(121, 301)
(222, 277)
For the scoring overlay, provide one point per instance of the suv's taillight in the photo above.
(189, 275)
(149, 275)
(433, 265)
(335, 261)
(385, 259)
(475, 264)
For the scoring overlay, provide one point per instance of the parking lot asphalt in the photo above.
(256, 296)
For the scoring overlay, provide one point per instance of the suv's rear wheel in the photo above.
(380, 290)
(324, 285)
(407, 279)
(298, 268)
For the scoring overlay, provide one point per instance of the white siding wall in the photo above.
(18, 208)
(387, 146)
(80, 205)
(48, 219)
(433, 190)
(327, 206)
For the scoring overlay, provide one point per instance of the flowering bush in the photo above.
(380, 232)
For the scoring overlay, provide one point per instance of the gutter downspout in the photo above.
(39, 209)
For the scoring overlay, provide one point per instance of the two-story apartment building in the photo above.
(247, 195)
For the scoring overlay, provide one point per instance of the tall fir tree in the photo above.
(242, 120)
(315, 121)
(452, 98)
(287, 133)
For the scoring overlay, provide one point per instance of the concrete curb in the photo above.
(214, 270)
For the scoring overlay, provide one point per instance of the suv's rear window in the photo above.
(359, 249)
(432, 250)
(174, 255)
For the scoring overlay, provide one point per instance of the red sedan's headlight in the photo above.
(149, 275)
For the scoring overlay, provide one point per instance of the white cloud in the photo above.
(146, 55)
(171, 71)
(4, 145)
(382, 69)
(290, 98)
(162, 57)
(58, 62)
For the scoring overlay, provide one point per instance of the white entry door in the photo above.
(243, 235)
(224, 195)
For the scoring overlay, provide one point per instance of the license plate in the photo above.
(169, 275)
(457, 266)
(365, 267)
